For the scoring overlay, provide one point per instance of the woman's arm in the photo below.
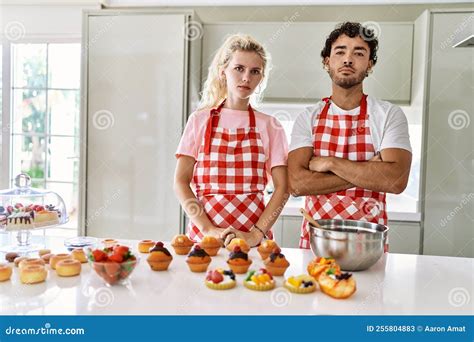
(269, 215)
(190, 204)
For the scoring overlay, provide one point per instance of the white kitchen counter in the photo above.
(397, 285)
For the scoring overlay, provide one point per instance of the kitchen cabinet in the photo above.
(136, 86)
(297, 73)
(448, 167)
(404, 237)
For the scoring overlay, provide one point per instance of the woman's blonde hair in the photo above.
(215, 91)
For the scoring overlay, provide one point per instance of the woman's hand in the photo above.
(252, 238)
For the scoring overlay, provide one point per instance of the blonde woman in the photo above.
(229, 151)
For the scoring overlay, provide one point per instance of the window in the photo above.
(45, 100)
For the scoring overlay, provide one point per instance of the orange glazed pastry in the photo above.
(239, 261)
(198, 260)
(319, 264)
(5, 272)
(159, 258)
(181, 244)
(55, 258)
(238, 242)
(276, 263)
(211, 245)
(68, 268)
(266, 248)
(337, 284)
(144, 246)
(79, 255)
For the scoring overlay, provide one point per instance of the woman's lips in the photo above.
(244, 87)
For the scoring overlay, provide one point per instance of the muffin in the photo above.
(301, 284)
(238, 242)
(220, 279)
(181, 244)
(259, 281)
(337, 284)
(79, 255)
(144, 246)
(198, 260)
(211, 245)
(266, 248)
(276, 263)
(238, 261)
(159, 258)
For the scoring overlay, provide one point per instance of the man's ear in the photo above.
(371, 64)
(326, 63)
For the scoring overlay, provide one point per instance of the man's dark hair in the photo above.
(352, 30)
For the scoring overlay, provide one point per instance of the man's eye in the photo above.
(339, 53)
(239, 68)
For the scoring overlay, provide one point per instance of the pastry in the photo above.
(276, 263)
(238, 242)
(159, 258)
(5, 272)
(109, 242)
(239, 261)
(18, 260)
(11, 256)
(42, 252)
(266, 248)
(220, 279)
(30, 261)
(182, 244)
(319, 264)
(198, 260)
(33, 274)
(46, 257)
(211, 245)
(337, 284)
(259, 281)
(301, 284)
(20, 220)
(79, 255)
(145, 245)
(55, 258)
(68, 268)
(46, 218)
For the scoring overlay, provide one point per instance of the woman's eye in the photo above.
(256, 72)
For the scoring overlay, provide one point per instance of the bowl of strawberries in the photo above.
(113, 264)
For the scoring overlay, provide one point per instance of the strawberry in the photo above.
(99, 255)
(217, 277)
(39, 208)
(112, 269)
(121, 250)
(18, 205)
(116, 257)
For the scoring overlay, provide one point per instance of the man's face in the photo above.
(349, 61)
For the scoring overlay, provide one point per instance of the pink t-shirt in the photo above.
(272, 134)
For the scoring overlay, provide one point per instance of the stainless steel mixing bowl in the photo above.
(355, 245)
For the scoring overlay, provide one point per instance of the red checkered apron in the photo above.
(348, 137)
(230, 175)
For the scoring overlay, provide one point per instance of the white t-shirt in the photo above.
(388, 124)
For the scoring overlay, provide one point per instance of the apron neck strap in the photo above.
(213, 121)
(363, 106)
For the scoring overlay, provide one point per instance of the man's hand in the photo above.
(320, 164)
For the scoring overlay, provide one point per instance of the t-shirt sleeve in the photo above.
(278, 144)
(302, 135)
(395, 133)
(188, 145)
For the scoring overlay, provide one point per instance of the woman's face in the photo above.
(243, 74)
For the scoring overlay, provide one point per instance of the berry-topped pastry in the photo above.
(159, 258)
(266, 248)
(301, 284)
(220, 279)
(182, 244)
(276, 263)
(198, 260)
(259, 281)
(319, 264)
(211, 245)
(239, 261)
(337, 284)
(238, 242)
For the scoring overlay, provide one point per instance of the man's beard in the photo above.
(347, 82)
